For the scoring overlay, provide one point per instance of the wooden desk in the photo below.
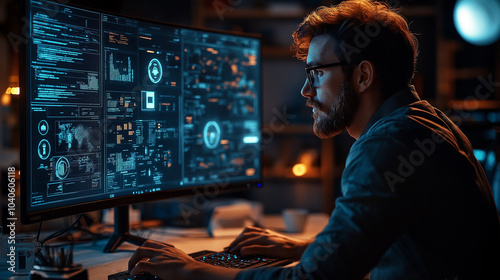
(100, 264)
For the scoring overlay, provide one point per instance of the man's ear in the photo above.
(364, 76)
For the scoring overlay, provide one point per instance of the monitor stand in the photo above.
(121, 231)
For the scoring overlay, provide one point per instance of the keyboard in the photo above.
(224, 259)
(125, 276)
(229, 260)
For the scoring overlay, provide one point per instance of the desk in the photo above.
(100, 264)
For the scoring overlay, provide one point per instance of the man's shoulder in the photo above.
(400, 131)
(407, 122)
(410, 133)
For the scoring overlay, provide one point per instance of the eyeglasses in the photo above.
(311, 74)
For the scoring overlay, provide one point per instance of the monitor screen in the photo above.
(118, 110)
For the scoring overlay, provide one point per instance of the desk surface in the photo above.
(100, 264)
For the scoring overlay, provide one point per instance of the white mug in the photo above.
(295, 219)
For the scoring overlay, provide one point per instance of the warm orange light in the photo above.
(13, 90)
(299, 169)
(6, 98)
(250, 172)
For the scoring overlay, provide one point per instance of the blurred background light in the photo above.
(299, 169)
(478, 21)
(13, 90)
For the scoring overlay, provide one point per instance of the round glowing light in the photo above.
(477, 21)
(299, 169)
(6, 98)
(211, 134)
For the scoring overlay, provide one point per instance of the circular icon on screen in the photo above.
(154, 70)
(43, 127)
(44, 149)
(62, 168)
(211, 134)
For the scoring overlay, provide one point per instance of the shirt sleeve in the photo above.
(372, 213)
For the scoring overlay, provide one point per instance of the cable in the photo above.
(58, 233)
(39, 230)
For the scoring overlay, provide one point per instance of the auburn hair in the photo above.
(364, 30)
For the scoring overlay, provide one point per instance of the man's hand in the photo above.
(167, 262)
(265, 242)
(161, 260)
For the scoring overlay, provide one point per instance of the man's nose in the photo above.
(306, 90)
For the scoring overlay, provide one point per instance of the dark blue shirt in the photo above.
(416, 205)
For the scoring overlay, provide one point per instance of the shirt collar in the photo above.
(401, 98)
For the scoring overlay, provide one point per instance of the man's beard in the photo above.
(339, 116)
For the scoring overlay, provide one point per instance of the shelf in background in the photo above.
(474, 104)
(277, 52)
(287, 173)
(293, 12)
(260, 13)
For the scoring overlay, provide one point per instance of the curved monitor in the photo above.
(119, 110)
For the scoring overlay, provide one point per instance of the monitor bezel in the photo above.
(59, 212)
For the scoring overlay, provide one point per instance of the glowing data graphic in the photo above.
(120, 67)
(155, 71)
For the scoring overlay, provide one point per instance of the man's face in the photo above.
(333, 101)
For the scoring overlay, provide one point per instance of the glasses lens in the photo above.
(310, 78)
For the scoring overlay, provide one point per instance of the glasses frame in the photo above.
(310, 75)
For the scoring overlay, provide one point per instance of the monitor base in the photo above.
(121, 231)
